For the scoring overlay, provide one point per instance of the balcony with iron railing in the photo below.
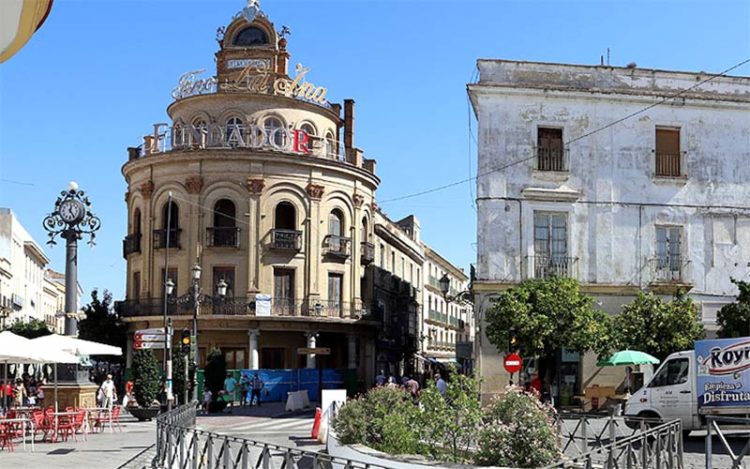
(337, 246)
(160, 238)
(667, 164)
(367, 253)
(223, 236)
(668, 269)
(131, 244)
(286, 240)
(240, 306)
(551, 159)
(551, 266)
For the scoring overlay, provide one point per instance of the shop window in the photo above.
(272, 358)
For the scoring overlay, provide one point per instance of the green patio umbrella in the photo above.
(629, 357)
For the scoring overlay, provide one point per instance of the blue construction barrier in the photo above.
(277, 383)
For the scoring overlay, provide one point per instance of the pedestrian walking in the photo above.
(207, 396)
(442, 387)
(380, 379)
(245, 391)
(412, 387)
(108, 392)
(229, 385)
(19, 393)
(256, 386)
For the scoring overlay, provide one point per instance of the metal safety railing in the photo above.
(589, 441)
(180, 445)
(713, 429)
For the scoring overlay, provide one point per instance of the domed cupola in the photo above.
(250, 43)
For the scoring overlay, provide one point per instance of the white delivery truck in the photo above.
(714, 378)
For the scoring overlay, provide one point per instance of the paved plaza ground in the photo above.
(134, 447)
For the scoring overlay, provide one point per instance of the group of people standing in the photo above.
(250, 391)
(410, 385)
(25, 391)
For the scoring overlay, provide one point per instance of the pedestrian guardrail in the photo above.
(179, 445)
(713, 428)
(606, 443)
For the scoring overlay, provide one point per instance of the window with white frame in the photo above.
(551, 245)
(668, 252)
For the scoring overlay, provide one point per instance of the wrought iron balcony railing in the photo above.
(131, 244)
(337, 246)
(160, 238)
(551, 159)
(668, 164)
(367, 253)
(668, 269)
(286, 240)
(223, 236)
(183, 306)
(551, 266)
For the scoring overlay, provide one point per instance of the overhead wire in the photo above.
(576, 139)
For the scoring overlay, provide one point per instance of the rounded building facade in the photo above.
(256, 180)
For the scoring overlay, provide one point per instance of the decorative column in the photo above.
(194, 238)
(315, 231)
(311, 339)
(253, 348)
(255, 186)
(352, 356)
(357, 240)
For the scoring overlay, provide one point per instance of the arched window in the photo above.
(137, 222)
(330, 146)
(199, 132)
(274, 131)
(224, 231)
(285, 217)
(308, 129)
(363, 231)
(251, 36)
(170, 232)
(235, 131)
(336, 223)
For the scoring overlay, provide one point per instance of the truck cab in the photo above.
(670, 393)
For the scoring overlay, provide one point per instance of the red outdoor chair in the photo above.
(116, 417)
(80, 422)
(66, 426)
(6, 436)
(40, 424)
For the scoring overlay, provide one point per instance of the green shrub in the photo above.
(146, 377)
(450, 425)
(384, 419)
(518, 431)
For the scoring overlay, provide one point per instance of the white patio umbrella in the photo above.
(17, 349)
(77, 346)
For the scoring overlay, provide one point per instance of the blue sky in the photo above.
(99, 73)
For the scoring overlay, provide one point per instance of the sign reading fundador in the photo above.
(723, 372)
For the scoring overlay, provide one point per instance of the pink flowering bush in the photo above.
(518, 431)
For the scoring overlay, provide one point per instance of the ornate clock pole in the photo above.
(71, 219)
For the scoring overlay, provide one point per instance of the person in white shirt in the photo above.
(109, 393)
(440, 384)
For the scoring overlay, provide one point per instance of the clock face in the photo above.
(71, 211)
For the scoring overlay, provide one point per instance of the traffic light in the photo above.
(512, 341)
(185, 341)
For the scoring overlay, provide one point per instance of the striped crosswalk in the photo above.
(256, 428)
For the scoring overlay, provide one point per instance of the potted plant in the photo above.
(146, 385)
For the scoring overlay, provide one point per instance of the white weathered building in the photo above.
(590, 187)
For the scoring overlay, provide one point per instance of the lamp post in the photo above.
(71, 219)
(195, 298)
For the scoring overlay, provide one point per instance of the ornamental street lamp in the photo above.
(71, 219)
(194, 298)
(445, 286)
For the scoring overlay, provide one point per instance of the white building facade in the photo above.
(575, 180)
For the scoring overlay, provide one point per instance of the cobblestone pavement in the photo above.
(108, 450)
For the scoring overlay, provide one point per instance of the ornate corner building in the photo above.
(256, 179)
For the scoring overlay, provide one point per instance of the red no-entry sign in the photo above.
(513, 363)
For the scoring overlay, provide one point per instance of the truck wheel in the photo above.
(653, 419)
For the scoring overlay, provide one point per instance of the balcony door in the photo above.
(335, 294)
(551, 245)
(283, 292)
(225, 224)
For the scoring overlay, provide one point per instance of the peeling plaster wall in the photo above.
(617, 200)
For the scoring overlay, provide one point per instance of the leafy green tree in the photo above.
(652, 325)
(734, 319)
(31, 330)
(146, 377)
(451, 424)
(102, 324)
(178, 374)
(546, 315)
(215, 372)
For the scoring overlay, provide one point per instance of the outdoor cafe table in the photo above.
(24, 423)
(57, 415)
(94, 412)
